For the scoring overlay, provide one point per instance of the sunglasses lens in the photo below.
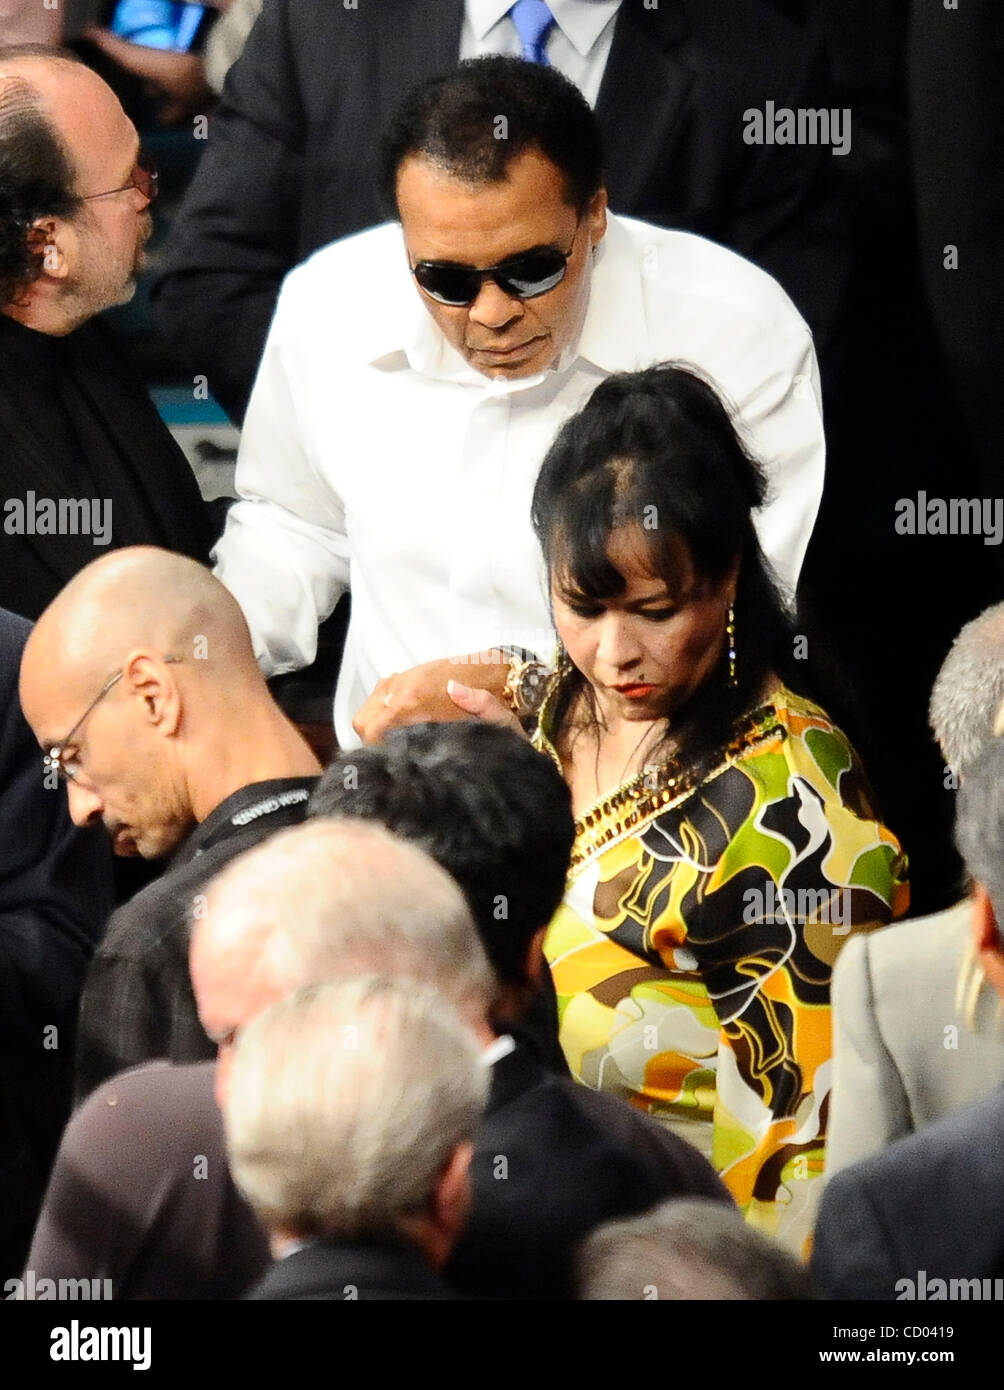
(528, 276)
(448, 284)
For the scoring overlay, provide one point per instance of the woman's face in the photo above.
(647, 651)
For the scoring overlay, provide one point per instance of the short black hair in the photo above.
(490, 809)
(456, 121)
(658, 446)
(36, 173)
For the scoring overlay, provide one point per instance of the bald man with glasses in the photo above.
(85, 460)
(141, 688)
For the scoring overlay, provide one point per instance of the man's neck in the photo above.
(263, 750)
(40, 317)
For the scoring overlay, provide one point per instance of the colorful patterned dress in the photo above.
(693, 951)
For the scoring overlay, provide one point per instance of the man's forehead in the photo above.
(525, 209)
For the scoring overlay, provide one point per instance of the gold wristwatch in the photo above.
(526, 683)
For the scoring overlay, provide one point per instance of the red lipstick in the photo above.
(634, 692)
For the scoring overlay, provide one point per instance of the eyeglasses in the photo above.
(144, 177)
(525, 276)
(56, 758)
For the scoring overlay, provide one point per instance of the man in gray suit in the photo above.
(915, 1030)
(925, 1219)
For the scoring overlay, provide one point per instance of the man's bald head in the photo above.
(145, 599)
(71, 229)
(184, 710)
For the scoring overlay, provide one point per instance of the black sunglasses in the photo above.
(524, 276)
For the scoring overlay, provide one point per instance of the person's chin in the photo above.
(527, 360)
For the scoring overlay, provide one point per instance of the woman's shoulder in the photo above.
(791, 716)
(813, 747)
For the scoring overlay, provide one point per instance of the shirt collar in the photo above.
(582, 24)
(278, 800)
(501, 1047)
(614, 334)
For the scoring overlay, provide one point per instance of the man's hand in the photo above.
(412, 697)
(178, 78)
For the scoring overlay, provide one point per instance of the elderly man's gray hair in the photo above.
(969, 689)
(683, 1250)
(346, 1102)
(338, 897)
(979, 822)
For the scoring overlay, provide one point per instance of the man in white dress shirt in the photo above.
(396, 455)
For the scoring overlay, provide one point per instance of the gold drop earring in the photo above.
(730, 629)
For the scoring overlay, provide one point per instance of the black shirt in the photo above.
(77, 426)
(138, 1002)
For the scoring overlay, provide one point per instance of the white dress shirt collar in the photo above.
(501, 1047)
(614, 335)
(581, 21)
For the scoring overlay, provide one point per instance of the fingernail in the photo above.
(455, 688)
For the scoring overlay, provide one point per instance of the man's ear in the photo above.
(596, 216)
(451, 1197)
(987, 940)
(48, 238)
(535, 964)
(151, 679)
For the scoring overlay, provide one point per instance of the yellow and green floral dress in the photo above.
(693, 951)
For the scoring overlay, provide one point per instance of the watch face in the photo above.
(531, 686)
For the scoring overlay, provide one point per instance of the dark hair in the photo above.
(454, 121)
(36, 172)
(657, 449)
(493, 812)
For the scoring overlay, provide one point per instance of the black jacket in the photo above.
(931, 1202)
(55, 896)
(552, 1161)
(305, 103)
(351, 1270)
(76, 423)
(138, 1002)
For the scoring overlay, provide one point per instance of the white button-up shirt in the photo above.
(374, 457)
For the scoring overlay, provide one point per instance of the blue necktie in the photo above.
(533, 21)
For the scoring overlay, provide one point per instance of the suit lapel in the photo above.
(642, 91)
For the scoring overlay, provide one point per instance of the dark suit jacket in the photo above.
(304, 104)
(137, 1002)
(933, 1202)
(349, 1270)
(55, 896)
(551, 1161)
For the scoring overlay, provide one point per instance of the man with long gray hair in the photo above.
(914, 1031)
